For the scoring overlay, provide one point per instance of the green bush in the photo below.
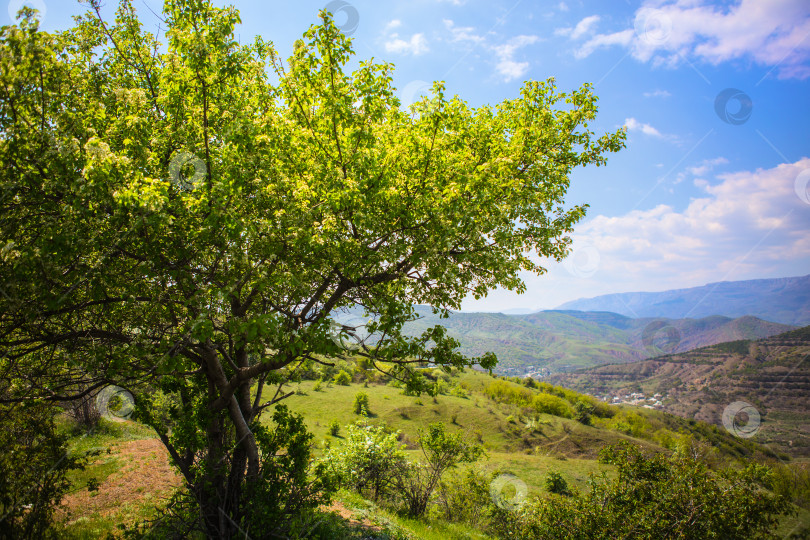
(334, 428)
(555, 483)
(34, 462)
(549, 404)
(651, 497)
(342, 378)
(441, 451)
(582, 412)
(360, 405)
(289, 487)
(367, 460)
(465, 498)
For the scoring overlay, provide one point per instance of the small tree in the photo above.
(555, 483)
(441, 451)
(360, 405)
(334, 428)
(367, 460)
(582, 412)
(343, 378)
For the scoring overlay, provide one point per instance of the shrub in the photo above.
(317, 386)
(582, 412)
(288, 487)
(441, 451)
(458, 391)
(367, 460)
(34, 463)
(334, 428)
(342, 378)
(555, 483)
(465, 498)
(549, 404)
(653, 496)
(361, 403)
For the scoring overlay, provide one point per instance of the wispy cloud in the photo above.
(585, 26)
(507, 66)
(461, 34)
(657, 93)
(417, 44)
(634, 125)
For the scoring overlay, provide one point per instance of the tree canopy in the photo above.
(185, 219)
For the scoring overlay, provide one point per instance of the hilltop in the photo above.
(783, 300)
(773, 374)
(546, 342)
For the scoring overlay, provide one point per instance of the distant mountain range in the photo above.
(772, 374)
(553, 341)
(783, 300)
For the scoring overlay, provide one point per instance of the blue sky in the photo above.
(715, 181)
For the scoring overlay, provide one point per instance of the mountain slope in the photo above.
(772, 374)
(553, 341)
(784, 300)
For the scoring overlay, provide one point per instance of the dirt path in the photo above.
(145, 474)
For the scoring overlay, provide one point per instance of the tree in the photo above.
(441, 451)
(172, 219)
(367, 460)
(360, 405)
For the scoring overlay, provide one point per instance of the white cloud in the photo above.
(507, 66)
(416, 45)
(562, 6)
(657, 93)
(396, 23)
(706, 165)
(744, 226)
(634, 125)
(770, 33)
(454, 2)
(604, 40)
(462, 34)
(585, 26)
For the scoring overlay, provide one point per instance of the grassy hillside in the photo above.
(556, 341)
(773, 374)
(134, 474)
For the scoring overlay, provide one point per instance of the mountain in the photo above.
(553, 341)
(772, 374)
(783, 300)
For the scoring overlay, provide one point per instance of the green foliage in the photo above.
(582, 412)
(187, 216)
(334, 428)
(441, 451)
(465, 498)
(550, 404)
(34, 463)
(654, 497)
(360, 405)
(317, 386)
(288, 486)
(555, 483)
(367, 460)
(342, 378)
